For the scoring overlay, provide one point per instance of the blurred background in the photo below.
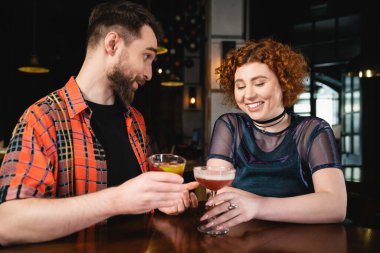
(341, 40)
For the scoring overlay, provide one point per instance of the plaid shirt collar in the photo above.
(75, 100)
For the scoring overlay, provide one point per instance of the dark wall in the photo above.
(59, 42)
(276, 18)
(60, 34)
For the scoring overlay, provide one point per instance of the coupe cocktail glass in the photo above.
(213, 178)
(167, 162)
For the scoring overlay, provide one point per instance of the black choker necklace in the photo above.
(279, 119)
(270, 120)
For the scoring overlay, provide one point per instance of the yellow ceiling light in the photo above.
(33, 66)
(364, 67)
(161, 50)
(172, 83)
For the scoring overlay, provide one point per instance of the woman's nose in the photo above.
(250, 92)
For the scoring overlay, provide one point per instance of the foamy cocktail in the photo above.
(213, 178)
(215, 182)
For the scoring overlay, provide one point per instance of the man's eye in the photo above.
(149, 57)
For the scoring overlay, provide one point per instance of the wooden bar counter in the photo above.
(161, 233)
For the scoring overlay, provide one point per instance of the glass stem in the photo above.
(213, 194)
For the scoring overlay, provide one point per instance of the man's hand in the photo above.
(148, 191)
(189, 199)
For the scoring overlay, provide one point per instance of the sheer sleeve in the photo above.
(322, 146)
(222, 144)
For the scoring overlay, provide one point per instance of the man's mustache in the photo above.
(140, 80)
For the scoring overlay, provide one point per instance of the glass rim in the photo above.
(166, 155)
(214, 168)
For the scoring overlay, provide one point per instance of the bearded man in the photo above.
(78, 155)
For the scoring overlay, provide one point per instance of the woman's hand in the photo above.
(233, 206)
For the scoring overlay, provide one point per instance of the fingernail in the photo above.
(211, 224)
(204, 217)
(219, 227)
(209, 203)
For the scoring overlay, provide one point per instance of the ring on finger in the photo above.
(232, 206)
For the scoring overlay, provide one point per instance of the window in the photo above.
(327, 103)
(351, 131)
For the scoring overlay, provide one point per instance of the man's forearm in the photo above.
(36, 220)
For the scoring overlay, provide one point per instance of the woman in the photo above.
(287, 166)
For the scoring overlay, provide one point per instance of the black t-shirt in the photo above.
(109, 126)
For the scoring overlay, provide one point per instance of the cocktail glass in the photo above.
(167, 162)
(213, 178)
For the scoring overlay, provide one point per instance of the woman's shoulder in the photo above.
(309, 123)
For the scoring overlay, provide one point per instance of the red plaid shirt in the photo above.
(53, 151)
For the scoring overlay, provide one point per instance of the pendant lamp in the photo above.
(33, 65)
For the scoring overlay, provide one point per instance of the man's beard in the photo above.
(122, 86)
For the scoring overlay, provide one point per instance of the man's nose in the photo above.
(148, 73)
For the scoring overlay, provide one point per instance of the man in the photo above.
(78, 155)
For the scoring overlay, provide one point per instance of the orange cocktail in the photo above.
(167, 162)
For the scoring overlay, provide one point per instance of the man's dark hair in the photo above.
(125, 17)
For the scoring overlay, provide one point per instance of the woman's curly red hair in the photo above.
(289, 66)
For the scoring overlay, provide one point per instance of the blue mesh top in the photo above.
(274, 164)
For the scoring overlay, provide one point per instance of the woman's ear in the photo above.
(111, 42)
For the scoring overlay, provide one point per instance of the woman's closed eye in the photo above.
(240, 87)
